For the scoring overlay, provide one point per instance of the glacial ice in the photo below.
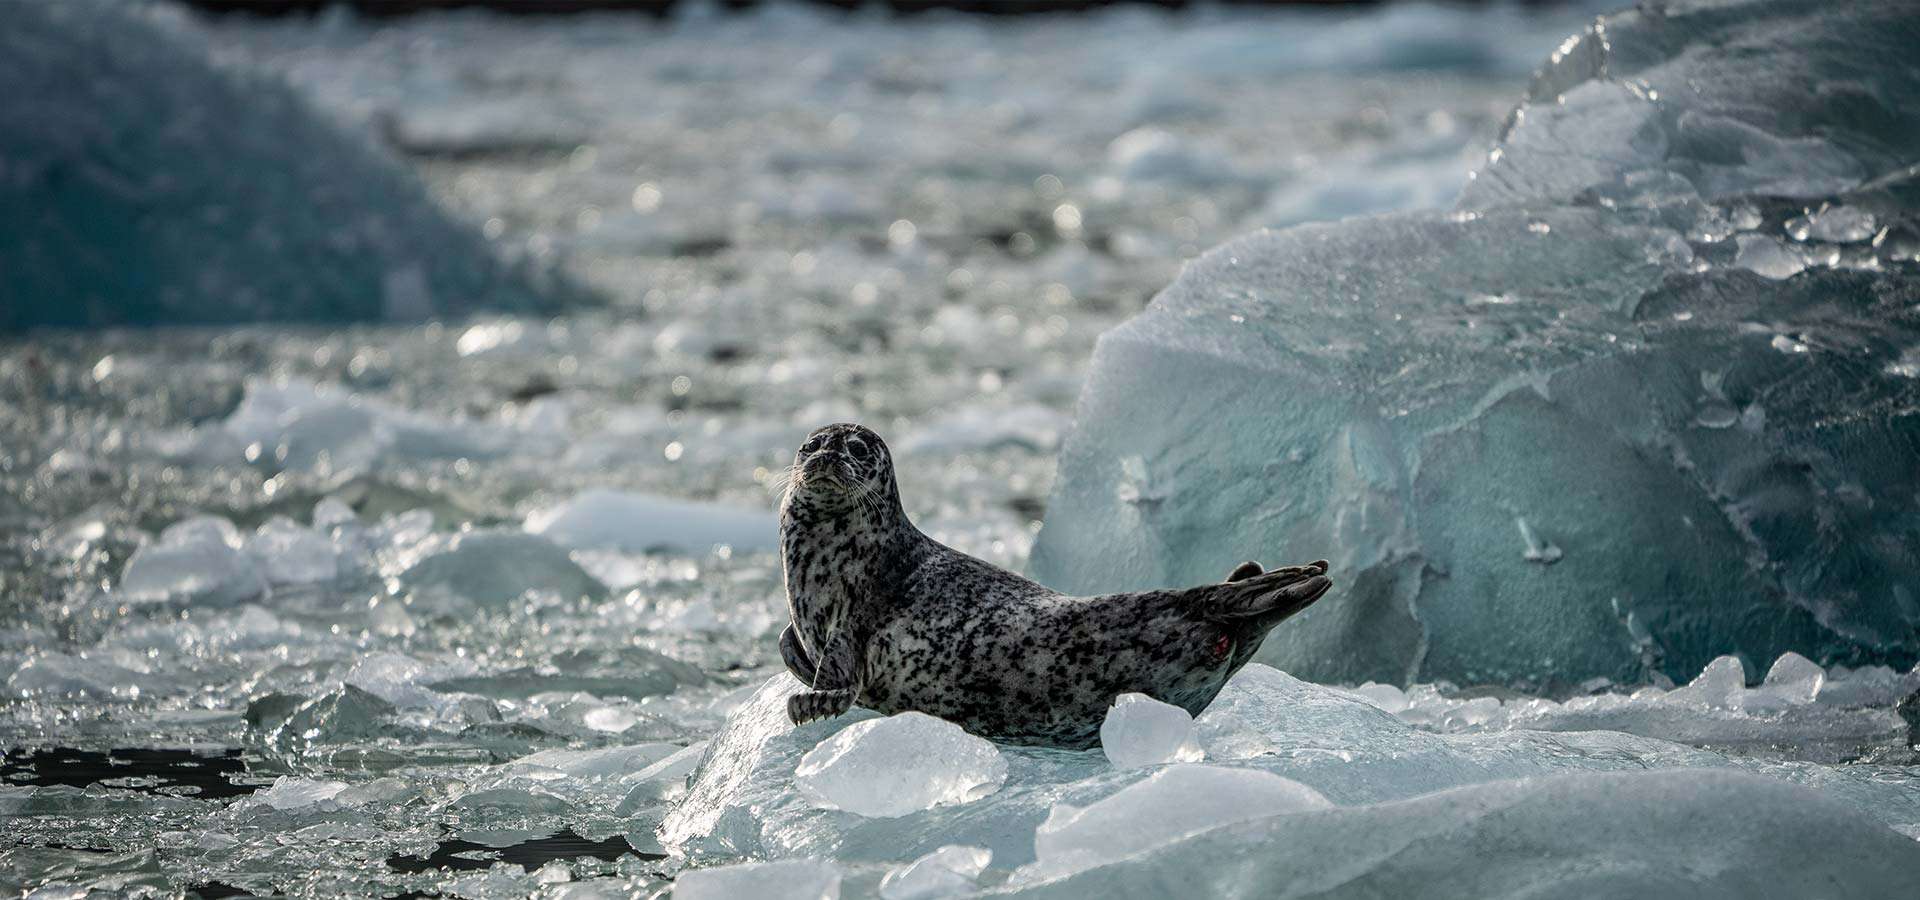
(946, 872)
(622, 520)
(1142, 731)
(1171, 804)
(147, 184)
(491, 570)
(1758, 98)
(1699, 834)
(903, 763)
(197, 560)
(783, 880)
(1621, 413)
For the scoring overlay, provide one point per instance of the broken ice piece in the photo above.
(794, 879)
(946, 872)
(1142, 731)
(1173, 803)
(898, 765)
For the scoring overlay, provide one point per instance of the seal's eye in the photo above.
(859, 448)
(813, 444)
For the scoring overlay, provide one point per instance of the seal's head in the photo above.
(841, 467)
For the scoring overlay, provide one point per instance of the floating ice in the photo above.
(1820, 715)
(1171, 804)
(900, 764)
(1142, 731)
(1576, 835)
(492, 570)
(638, 522)
(786, 880)
(1272, 730)
(946, 872)
(1733, 98)
(147, 184)
(198, 560)
(288, 553)
(632, 672)
(1664, 428)
(288, 792)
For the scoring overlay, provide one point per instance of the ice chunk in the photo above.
(1537, 365)
(785, 880)
(493, 570)
(1531, 838)
(303, 426)
(1839, 224)
(1720, 684)
(1745, 98)
(1794, 680)
(630, 672)
(288, 792)
(663, 780)
(900, 764)
(1172, 804)
(1767, 257)
(744, 799)
(639, 522)
(288, 553)
(606, 762)
(198, 561)
(182, 215)
(946, 872)
(61, 675)
(1142, 731)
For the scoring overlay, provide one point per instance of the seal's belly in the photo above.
(1044, 675)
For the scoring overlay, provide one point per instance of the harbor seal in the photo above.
(891, 619)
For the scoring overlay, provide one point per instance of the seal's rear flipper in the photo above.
(1267, 597)
(795, 657)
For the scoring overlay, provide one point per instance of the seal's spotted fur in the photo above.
(893, 620)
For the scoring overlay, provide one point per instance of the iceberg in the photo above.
(1581, 427)
(145, 184)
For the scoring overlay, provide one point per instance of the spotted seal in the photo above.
(891, 619)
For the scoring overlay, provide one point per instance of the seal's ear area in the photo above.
(1264, 599)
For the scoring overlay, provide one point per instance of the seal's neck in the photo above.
(874, 515)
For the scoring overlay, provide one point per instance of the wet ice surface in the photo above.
(463, 607)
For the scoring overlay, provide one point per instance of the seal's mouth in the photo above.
(827, 468)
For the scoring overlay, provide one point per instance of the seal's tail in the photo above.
(1269, 597)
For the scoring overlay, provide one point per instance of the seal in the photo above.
(888, 618)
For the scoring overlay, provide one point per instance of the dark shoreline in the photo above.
(662, 8)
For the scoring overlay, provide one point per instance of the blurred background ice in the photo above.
(433, 556)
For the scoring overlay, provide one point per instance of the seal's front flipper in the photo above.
(1264, 598)
(804, 708)
(1245, 571)
(795, 656)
